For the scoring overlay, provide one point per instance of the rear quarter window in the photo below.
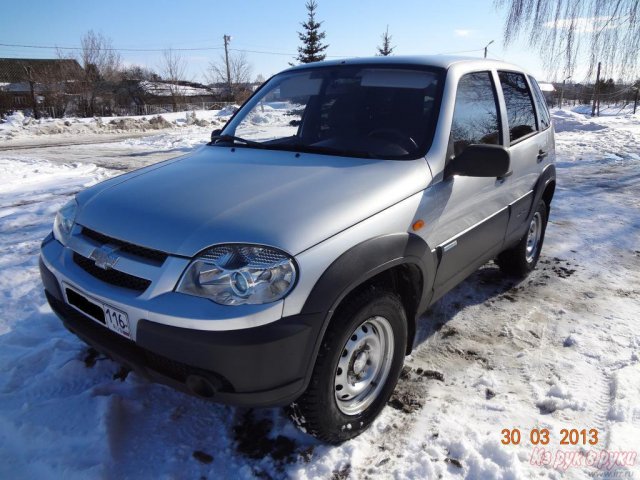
(544, 118)
(519, 102)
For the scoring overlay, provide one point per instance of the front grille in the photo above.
(113, 277)
(148, 253)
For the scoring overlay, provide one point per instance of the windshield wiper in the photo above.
(326, 150)
(233, 138)
(292, 147)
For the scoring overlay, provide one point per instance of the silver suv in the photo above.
(287, 261)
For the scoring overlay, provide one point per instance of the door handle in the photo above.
(542, 155)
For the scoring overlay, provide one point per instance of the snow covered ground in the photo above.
(558, 350)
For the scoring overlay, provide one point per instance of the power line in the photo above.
(195, 49)
(191, 49)
(618, 92)
(265, 52)
(49, 47)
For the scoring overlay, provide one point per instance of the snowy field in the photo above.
(559, 350)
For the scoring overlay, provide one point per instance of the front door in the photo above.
(467, 216)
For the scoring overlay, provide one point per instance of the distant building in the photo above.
(185, 92)
(548, 90)
(37, 83)
(145, 97)
(141, 93)
(240, 90)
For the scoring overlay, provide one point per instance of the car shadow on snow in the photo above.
(483, 285)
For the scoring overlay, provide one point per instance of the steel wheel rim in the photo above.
(533, 237)
(364, 365)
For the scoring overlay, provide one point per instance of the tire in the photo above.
(521, 259)
(357, 368)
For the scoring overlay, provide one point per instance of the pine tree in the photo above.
(312, 47)
(386, 49)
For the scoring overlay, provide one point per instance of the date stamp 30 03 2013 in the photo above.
(564, 458)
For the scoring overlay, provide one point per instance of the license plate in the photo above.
(116, 320)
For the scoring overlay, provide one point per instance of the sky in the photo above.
(353, 28)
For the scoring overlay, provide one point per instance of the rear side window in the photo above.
(541, 105)
(475, 115)
(519, 103)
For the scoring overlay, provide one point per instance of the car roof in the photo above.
(439, 61)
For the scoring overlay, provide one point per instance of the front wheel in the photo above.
(357, 368)
(523, 257)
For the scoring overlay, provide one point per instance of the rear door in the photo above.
(527, 146)
(547, 153)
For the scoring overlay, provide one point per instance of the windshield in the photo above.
(345, 110)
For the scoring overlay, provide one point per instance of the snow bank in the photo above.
(228, 110)
(570, 121)
(17, 126)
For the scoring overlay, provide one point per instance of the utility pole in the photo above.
(596, 94)
(562, 91)
(486, 47)
(227, 39)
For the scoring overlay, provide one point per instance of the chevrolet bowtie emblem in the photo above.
(105, 257)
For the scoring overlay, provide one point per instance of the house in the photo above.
(242, 90)
(36, 84)
(149, 96)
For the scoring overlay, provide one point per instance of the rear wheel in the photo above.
(357, 367)
(521, 259)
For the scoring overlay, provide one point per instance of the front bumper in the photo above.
(267, 365)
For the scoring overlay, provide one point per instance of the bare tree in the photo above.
(173, 70)
(55, 82)
(32, 80)
(386, 49)
(132, 89)
(568, 32)
(140, 72)
(101, 63)
(239, 68)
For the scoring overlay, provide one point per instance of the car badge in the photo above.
(105, 257)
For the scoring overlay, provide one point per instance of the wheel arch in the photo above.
(547, 194)
(544, 189)
(401, 261)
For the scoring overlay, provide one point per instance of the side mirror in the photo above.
(215, 133)
(479, 160)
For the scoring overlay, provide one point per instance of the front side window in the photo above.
(475, 115)
(517, 98)
(371, 112)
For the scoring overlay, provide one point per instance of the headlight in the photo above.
(237, 274)
(63, 222)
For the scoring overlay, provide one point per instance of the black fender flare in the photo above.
(547, 176)
(366, 260)
(361, 263)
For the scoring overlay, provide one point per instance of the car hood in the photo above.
(224, 195)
